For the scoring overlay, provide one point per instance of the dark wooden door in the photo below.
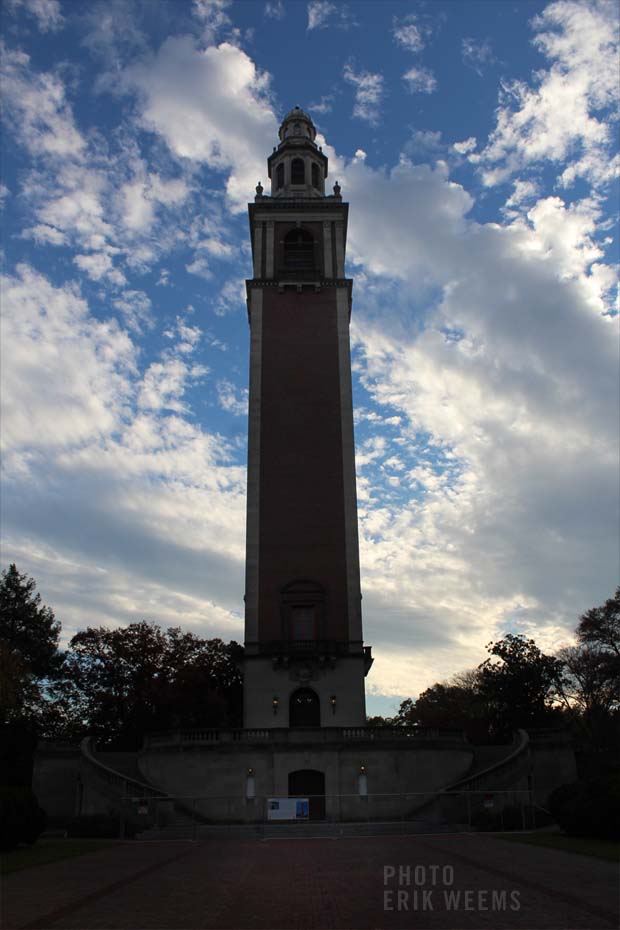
(309, 783)
(304, 709)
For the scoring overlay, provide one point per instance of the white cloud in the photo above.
(111, 32)
(38, 108)
(213, 16)
(135, 307)
(559, 118)
(165, 383)
(210, 106)
(369, 93)
(232, 398)
(231, 297)
(65, 375)
(90, 194)
(477, 54)
(88, 469)
(98, 266)
(319, 12)
(420, 81)
(499, 374)
(408, 34)
(42, 233)
(466, 146)
(324, 105)
(46, 12)
(274, 9)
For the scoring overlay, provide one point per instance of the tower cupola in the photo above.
(297, 167)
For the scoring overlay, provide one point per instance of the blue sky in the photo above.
(476, 145)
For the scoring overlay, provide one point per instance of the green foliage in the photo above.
(590, 807)
(589, 685)
(122, 683)
(588, 688)
(454, 704)
(518, 684)
(27, 628)
(29, 655)
(600, 626)
(21, 818)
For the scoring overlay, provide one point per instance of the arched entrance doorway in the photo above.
(304, 709)
(309, 783)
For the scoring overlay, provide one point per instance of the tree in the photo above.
(378, 721)
(600, 626)
(122, 683)
(27, 628)
(518, 684)
(588, 689)
(452, 704)
(29, 655)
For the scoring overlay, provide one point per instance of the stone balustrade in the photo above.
(278, 735)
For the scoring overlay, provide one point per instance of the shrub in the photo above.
(590, 807)
(21, 818)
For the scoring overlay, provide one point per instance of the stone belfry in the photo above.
(305, 660)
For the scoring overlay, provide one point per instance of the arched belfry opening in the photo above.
(298, 171)
(304, 708)
(298, 251)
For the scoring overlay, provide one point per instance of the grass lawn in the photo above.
(600, 849)
(48, 851)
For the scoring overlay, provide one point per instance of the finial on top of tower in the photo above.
(297, 123)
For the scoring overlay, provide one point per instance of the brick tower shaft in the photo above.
(304, 656)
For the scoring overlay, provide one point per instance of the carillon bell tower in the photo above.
(305, 660)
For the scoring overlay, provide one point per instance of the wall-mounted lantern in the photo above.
(275, 703)
(332, 702)
(362, 782)
(250, 785)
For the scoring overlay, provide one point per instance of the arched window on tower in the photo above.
(298, 250)
(315, 175)
(279, 176)
(298, 171)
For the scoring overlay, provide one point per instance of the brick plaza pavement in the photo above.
(323, 883)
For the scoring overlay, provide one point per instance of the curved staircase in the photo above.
(116, 778)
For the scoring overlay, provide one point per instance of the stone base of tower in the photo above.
(323, 691)
(358, 772)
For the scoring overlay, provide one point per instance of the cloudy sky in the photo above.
(475, 143)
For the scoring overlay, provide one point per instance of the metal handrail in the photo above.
(112, 775)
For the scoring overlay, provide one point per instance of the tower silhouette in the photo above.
(305, 660)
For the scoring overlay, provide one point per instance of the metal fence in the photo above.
(347, 814)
